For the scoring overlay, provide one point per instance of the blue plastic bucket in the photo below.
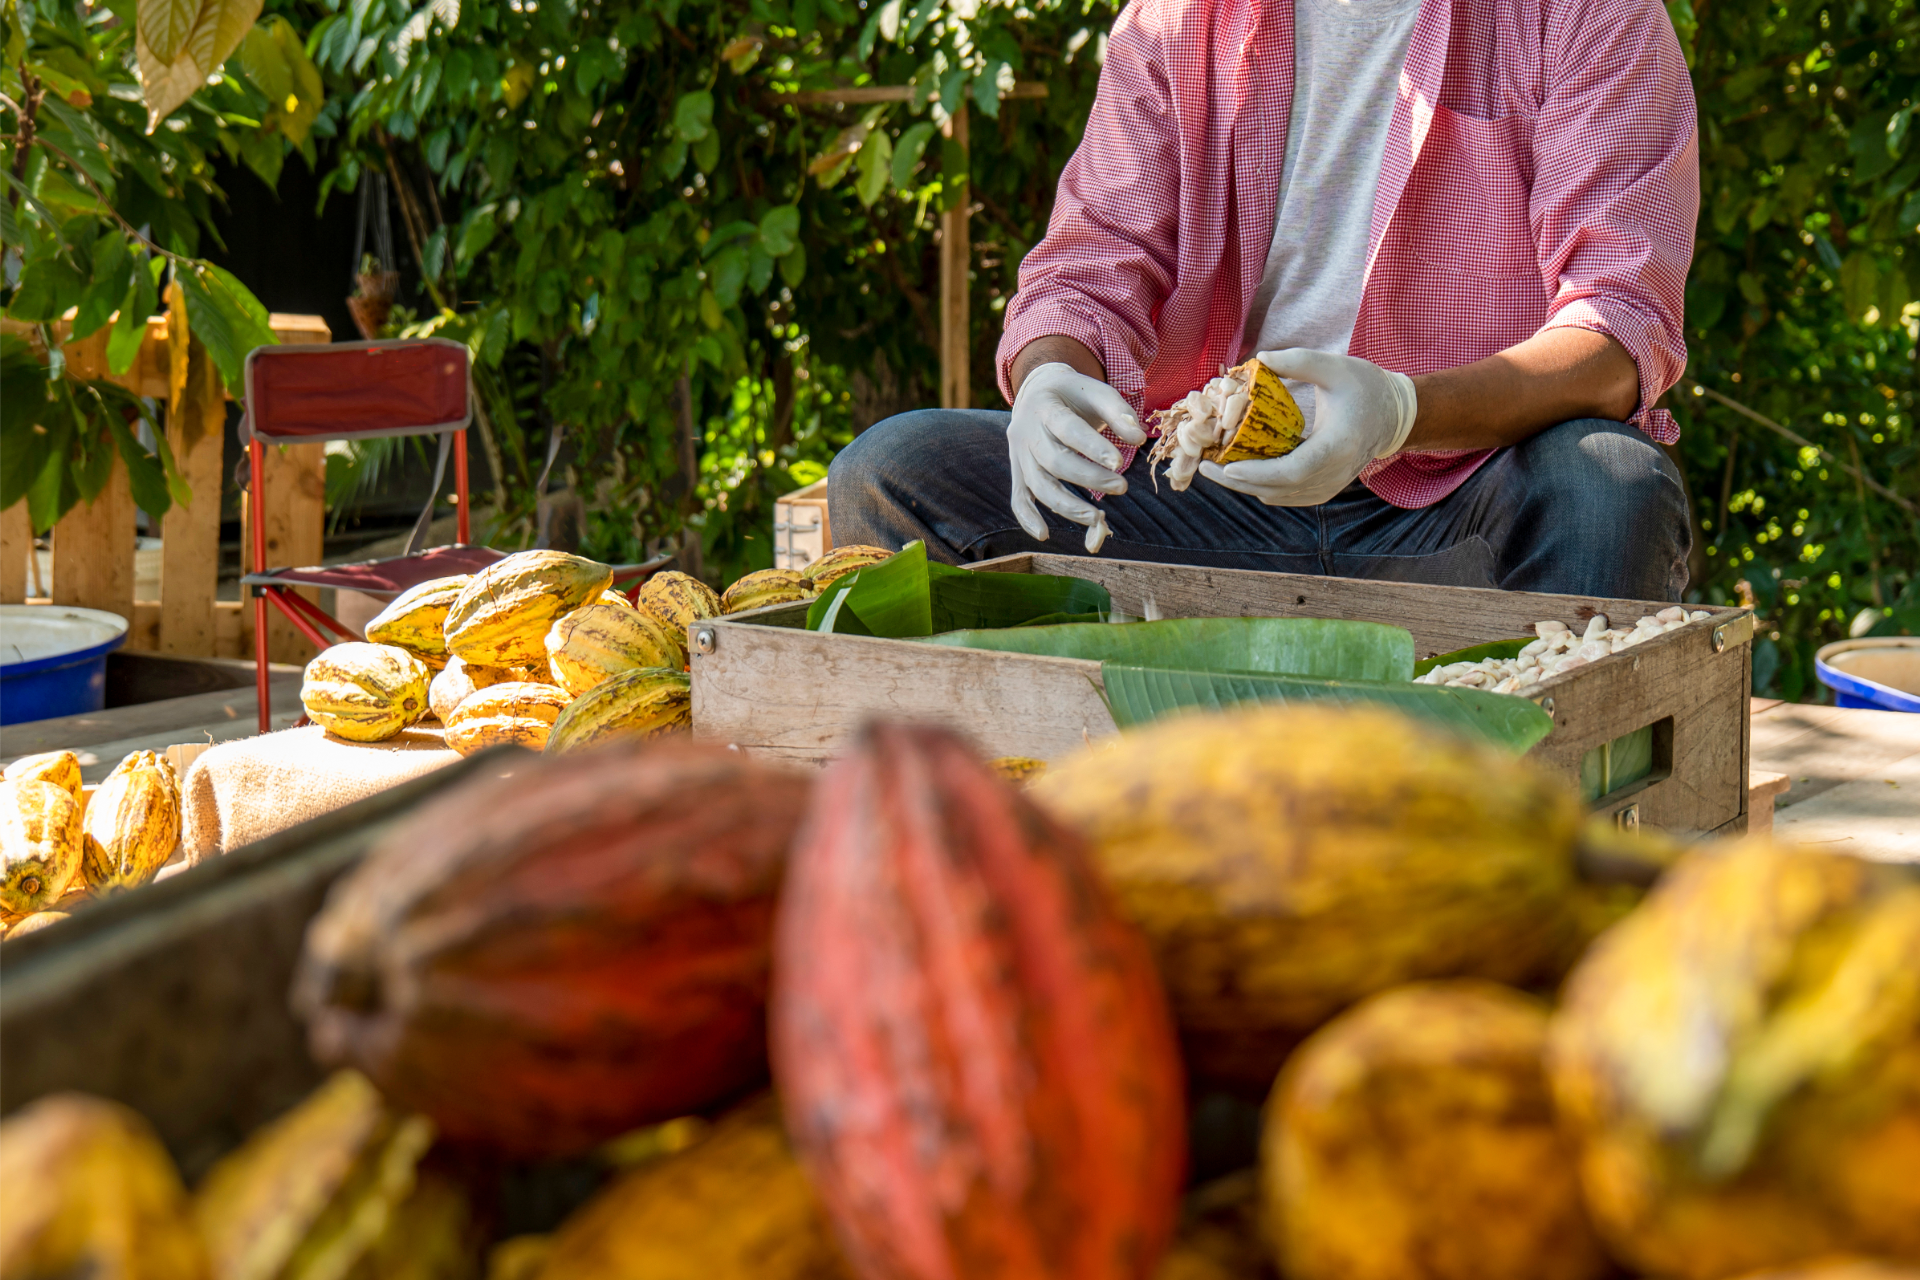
(1879, 672)
(53, 660)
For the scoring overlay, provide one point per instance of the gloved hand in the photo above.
(1052, 438)
(1361, 412)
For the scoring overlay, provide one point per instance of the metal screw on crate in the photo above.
(1546, 705)
(1628, 819)
(705, 640)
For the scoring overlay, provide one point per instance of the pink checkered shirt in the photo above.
(1541, 172)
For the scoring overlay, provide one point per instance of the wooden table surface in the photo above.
(1855, 776)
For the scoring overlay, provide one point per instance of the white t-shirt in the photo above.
(1347, 57)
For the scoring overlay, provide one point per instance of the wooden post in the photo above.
(190, 536)
(956, 261)
(296, 515)
(16, 544)
(93, 550)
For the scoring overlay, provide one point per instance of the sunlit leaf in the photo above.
(214, 32)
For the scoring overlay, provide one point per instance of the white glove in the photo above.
(1361, 412)
(1051, 439)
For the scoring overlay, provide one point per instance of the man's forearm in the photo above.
(1552, 377)
(1052, 350)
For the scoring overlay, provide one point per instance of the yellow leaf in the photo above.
(165, 25)
(167, 82)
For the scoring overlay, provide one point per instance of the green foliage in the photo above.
(95, 210)
(1801, 305)
(618, 197)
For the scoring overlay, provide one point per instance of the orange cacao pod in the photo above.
(544, 961)
(973, 1050)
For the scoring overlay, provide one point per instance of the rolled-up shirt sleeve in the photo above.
(1107, 262)
(1616, 190)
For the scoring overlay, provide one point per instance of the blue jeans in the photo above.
(1590, 507)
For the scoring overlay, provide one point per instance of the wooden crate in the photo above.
(764, 682)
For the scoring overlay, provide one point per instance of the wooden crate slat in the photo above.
(93, 550)
(16, 544)
(296, 524)
(190, 538)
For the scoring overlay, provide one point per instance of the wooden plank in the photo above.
(190, 546)
(1824, 748)
(185, 718)
(16, 544)
(233, 629)
(93, 550)
(956, 264)
(862, 94)
(296, 516)
(784, 693)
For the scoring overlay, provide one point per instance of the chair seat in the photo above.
(385, 578)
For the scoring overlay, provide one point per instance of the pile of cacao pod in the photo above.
(538, 650)
(986, 1010)
(62, 843)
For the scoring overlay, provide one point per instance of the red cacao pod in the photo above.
(543, 961)
(973, 1050)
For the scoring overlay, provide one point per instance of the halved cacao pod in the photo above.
(764, 587)
(416, 619)
(518, 712)
(1739, 1063)
(545, 961)
(841, 561)
(1278, 884)
(502, 617)
(61, 768)
(679, 600)
(42, 845)
(91, 1192)
(36, 922)
(1418, 1110)
(976, 1060)
(365, 692)
(132, 824)
(600, 640)
(733, 1206)
(649, 702)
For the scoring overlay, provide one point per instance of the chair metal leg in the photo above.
(257, 521)
(462, 525)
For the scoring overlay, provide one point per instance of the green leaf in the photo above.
(130, 330)
(706, 152)
(1858, 279)
(693, 116)
(726, 273)
(986, 88)
(907, 595)
(876, 166)
(1474, 653)
(793, 267)
(48, 286)
(110, 283)
(1326, 648)
(227, 319)
(1137, 695)
(906, 156)
(780, 229)
(145, 474)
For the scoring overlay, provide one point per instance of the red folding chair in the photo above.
(310, 393)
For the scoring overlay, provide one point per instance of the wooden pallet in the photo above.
(772, 687)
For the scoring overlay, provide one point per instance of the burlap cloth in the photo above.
(244, 791)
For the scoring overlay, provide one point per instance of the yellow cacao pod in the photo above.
(61, 768)
(365, 692)
(132, 823)
(416, 620)
(519, 712)
(644, 703)
(615, 596)
(502, 618)
(764, 587)
(679, 600)
(601, 640)
(314, 1192)
(841, 561)
(454, 683)
(40, 842)
(91, 1192)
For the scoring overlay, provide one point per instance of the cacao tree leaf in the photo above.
(780, 229)
(1138, 695)
(130, 329)
(226, 317)
(109, 284)
(146, 477)
(793, 267)
(165, 24)
(693, 116)
(48, 286)
(1332, 649)
(876, 166)
(706, 152)
(906, 155)
(167, 81)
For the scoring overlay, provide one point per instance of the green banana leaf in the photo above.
(1138, 694)
(908, 596)
(1475, 653)
(1321, 647)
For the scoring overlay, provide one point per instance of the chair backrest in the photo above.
(351, 390)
